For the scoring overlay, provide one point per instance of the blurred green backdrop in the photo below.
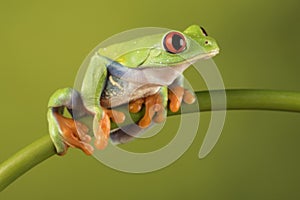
(42, 44)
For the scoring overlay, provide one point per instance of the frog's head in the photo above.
(187, 47)
(161, 58)
(172, 48)
(208, 45)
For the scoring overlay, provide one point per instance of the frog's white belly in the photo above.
(118, 92)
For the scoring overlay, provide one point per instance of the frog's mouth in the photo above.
(155, 75)
(202, 56)
(205, 55)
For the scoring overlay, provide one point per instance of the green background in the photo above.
(42, 44)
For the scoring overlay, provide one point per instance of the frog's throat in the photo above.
(164, 75)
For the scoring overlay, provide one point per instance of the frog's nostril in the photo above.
(208, 42)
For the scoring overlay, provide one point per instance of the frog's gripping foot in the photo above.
(154, 105)
(74, 134)
(154, 109)
(68, 132)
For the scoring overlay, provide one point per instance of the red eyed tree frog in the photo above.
(148, 75)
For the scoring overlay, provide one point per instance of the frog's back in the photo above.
(117, 50)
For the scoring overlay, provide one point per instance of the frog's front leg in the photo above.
(177, 93)
(64, 131)
(93, 84)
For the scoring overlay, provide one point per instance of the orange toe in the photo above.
(101, 144)
(175, 96)
(103, 130)
(188, 97)
(136, 105)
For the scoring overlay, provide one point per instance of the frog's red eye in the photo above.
(174, 42)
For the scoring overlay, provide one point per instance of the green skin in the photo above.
(128, 71)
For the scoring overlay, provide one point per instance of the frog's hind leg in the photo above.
(177, 93)
(64, 131)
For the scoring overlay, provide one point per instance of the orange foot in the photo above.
(176, 95)
(74, 134)
(153, 106)
(103, 130)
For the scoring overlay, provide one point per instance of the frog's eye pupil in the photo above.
(174, 42)
(177, 41)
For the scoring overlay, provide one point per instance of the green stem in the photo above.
(25, 159)
(241, 99)
(251, 99)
